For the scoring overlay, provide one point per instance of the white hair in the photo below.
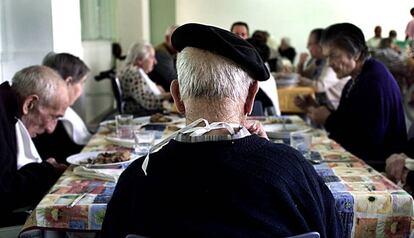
(40, 80)
(138, 51)
(202, 74)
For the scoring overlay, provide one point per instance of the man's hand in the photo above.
(255, 127)
(59, 167)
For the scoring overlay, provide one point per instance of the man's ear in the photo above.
(29, 103)
(68, 80)
(175, 92)
(253, 89)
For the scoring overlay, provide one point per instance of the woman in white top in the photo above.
(71, 133)
(141, 95)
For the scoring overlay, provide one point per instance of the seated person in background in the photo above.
(267, 93)
(71, 134)
(141, 95)
(274, 60)
(319, 75)
(286, 50)
(222, 180)
(369, 121)
(393, 36)
(374, 42)
(29, 107)
(164, 71)
(241, 29)
(388, 53)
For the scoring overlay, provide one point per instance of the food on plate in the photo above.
(158, 117)
(278, 120)
(108, 158)
(173, 128)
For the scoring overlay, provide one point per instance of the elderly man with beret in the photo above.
(219, 176)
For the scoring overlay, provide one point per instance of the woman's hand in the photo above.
(395, 167)
(318, 115)
(304, 102)
(255, 127)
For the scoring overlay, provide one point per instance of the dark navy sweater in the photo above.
(248, 187)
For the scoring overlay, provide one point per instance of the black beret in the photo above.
(223, 43)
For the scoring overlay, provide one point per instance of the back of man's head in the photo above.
(41, 81)
(202, 74)
(214, 63)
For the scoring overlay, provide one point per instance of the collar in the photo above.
(193, 133)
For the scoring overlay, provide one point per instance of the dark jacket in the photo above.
(26, 186)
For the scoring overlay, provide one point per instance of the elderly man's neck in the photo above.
(214, 111)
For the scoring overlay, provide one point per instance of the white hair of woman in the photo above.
(138, 51)
(207, 77)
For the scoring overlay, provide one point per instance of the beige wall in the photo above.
(133, 22)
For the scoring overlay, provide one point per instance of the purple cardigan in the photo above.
(369, 121)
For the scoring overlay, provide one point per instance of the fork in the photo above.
(77, 199)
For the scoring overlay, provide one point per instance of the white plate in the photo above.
(174, 120)
(76, 159)
(120, 141)
(146, 120)
(137, 121)
(128, 143)
(278, 131)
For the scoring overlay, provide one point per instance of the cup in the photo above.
(123, 123)
(143, 141)
(302, 141)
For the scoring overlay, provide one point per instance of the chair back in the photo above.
(116, 87)
(257, 109)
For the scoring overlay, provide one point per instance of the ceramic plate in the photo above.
(278, 131)
(77, 159)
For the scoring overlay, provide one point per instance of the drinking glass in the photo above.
(144, 140)
(302, 141)
(123, 123)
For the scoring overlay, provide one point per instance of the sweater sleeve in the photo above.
(26, 186)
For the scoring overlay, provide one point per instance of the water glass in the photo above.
(123, 123)
(302, 141)
(144, 140)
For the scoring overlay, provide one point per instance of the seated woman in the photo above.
(71, 134)
(141, 95)
(369, 121)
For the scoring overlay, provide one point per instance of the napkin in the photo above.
(111, 175)
(26, 150)
(75, 127)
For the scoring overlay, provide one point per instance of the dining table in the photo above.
(369, 204)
